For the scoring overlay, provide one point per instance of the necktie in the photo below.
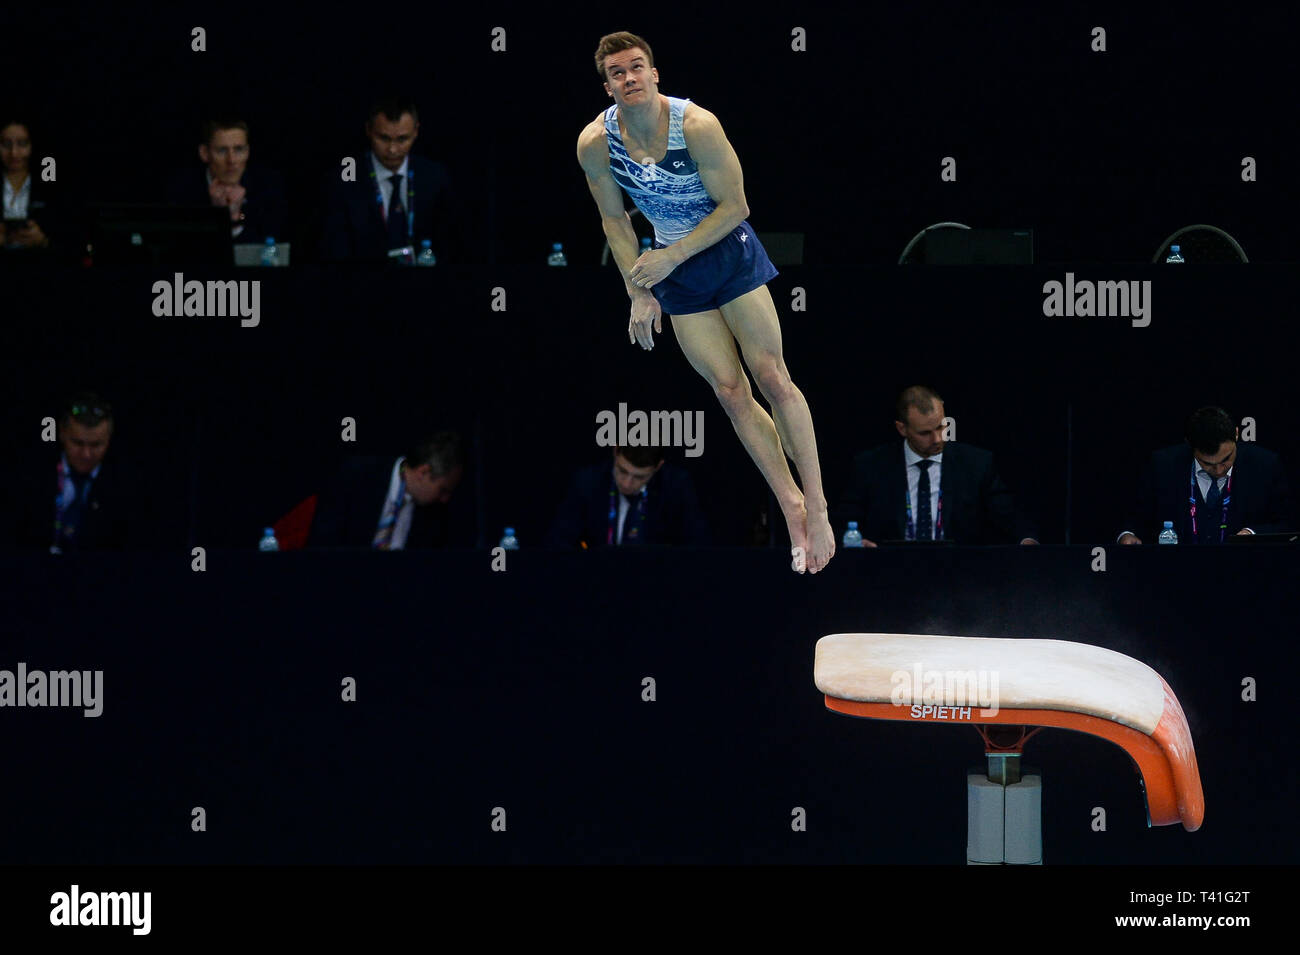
(82, 484)
(396, 215)
(631, 533)
(1213, 514)
(68, 522)
(924, 524)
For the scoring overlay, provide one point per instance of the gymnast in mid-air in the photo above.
(707, 269)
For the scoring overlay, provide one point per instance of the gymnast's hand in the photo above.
(645, 312)
(653, 267)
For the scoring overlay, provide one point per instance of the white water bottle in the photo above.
(1167, 536)
(270, 254)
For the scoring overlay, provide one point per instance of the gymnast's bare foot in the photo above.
(820, 545)
(796, 517)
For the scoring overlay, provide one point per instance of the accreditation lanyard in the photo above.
(911, 525)
(1223, 519)
(639, 520)
(410, 198)
(68, 493)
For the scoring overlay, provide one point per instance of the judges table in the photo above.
(625, 706)
(521, 360)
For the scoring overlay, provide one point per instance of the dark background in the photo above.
(1102, 155)
(522, 689)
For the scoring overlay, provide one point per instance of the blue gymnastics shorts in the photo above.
(713, 277)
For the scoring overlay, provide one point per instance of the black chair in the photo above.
(1202, 243)
(914, 251)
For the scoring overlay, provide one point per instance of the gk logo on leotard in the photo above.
(743, 235)
(678, 164)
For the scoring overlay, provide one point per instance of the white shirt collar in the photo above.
(911, 457)
(383, 172)
(613, 472)
(1197, 470)
(395, 482)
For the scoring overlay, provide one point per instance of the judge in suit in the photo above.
(396, 200)
(635, 499)
(1212, 487)
(383, 503)
(921, 488)
(254, 197)
(35, 220)
(83, 498)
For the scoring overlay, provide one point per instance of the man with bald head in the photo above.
(924, 488)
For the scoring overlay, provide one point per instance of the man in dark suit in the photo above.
(363, 220)
(1211, 487)
(392, 504)
(254, 197)
(635, 500)
(83, 499)
(922, 488)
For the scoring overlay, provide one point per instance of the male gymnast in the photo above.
(706, 269)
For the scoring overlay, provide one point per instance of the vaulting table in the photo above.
(1002, 687)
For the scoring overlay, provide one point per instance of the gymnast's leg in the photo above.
(708, 344)
(753, 320)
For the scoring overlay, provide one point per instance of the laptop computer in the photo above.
(1285, 537)
(127, 233)
(250, 253)
(979, 247)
